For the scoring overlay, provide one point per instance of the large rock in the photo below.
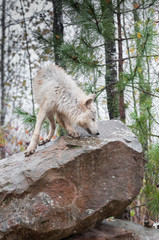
(70, 185)
(118, 229)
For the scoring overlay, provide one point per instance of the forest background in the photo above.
(110, 47)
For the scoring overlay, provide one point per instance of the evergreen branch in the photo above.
(133, 57)
(102, 45)
(95, 18)
(152, 116)
(124, 39)
(144, 56)
(154, 135)
(28, 119)
(90, 64)
(128, 85)
(74, 58)
(143, 91)
(131, 10)
(39, 36)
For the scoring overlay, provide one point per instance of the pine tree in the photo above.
(57, 28)
(95, 33)
(110, 55)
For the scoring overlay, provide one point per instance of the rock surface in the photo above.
(68, 186)
(118, 229)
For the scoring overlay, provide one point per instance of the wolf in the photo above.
(59, 96)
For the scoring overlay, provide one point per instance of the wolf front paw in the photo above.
(43, 142)
(28, 152)
(74, 134)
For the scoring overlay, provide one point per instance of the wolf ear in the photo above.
(86, 102)
(90, 99)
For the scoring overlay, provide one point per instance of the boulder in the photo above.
(70, 184)
(117, 229)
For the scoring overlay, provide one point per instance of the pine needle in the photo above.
(29, 120)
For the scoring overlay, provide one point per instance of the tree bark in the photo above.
(120, 66)
(111, 67)
(3, 64)
(58, 38)
(57, 28)
(28, 54)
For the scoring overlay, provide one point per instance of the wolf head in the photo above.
(87, 118)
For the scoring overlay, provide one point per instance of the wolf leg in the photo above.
(65, 122)
(59, 118)
(50, 116)
(35, 138)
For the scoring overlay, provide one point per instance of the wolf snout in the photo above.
(92, 132)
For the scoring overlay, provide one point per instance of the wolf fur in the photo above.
(58, 95)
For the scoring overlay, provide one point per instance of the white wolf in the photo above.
(57, 94)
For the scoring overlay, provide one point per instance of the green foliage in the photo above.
(153, 156)
(77, 57)
(142, 84)
(150, 190)
(125, 80)
(93, 27)
(28, 119)
(132, 213)
(86, 52)
(154, 204)
(45, 40)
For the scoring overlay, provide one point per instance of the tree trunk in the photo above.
(28, 53)
(57, 28)
(120, 66)
(111, 68)
(2, 64)
(142, 84)
(58, 39)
